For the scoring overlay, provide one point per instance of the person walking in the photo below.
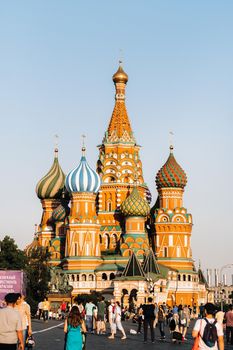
(101, 307)
(63, 309)
(25, 314)
(89, 309)
(161, 321)
(209, 331)
(119, 326)
(46, 309)
(11, 334)
(111, 318)
(229, 325)
(73, 328)
(149, 317)
(40, 309)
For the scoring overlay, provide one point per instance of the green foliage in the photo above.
(11, 257)
(38, 276)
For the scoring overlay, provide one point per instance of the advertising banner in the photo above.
(11, 282)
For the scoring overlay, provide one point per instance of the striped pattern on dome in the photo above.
(52, 184)
(82, 178)
(171, 174)
(135, 205)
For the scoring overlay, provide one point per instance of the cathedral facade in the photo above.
(102, 232)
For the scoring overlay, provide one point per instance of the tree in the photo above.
(38, 276)
(11, 257)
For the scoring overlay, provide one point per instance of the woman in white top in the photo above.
(117, 321)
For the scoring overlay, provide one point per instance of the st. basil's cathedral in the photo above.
(101, 231)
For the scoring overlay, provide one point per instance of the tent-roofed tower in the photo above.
(118, 161)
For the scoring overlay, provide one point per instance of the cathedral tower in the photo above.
(118, 161)
(82, 251)
(173, 224)
(50, 191)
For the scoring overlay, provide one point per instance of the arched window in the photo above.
(184, 277)
(104, 277)
(112, 276)
(100, 239)
(178, 277)
(83, 277)
(72, 278)
(189, 278)
(90, 277)
(165, 252)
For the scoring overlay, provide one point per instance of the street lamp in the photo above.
(221, 282)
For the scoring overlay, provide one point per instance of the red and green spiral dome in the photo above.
(171, 174)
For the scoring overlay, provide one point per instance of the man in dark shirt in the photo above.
(149, 317)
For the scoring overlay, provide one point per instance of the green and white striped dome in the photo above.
(51, 185)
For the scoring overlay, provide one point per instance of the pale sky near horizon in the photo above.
(56, 65)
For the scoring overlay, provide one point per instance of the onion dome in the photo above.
(52, 184)
(171, 174)
(60, 213)
(82, 178)
(135, 205)
(120, 76)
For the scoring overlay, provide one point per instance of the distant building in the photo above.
(109, 239)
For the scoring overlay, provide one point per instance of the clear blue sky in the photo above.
(56, 63)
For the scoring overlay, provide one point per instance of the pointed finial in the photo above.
(56, 139)
(83, 145)
(120, 57)
(171, 134)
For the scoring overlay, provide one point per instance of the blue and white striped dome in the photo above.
(82, 178)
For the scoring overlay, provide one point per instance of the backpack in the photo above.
(210, 335)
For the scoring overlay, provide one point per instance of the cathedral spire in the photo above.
(119, 129)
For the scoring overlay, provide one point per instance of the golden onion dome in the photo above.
(120, 76)
(135, 205)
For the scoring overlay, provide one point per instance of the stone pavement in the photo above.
(50, 336)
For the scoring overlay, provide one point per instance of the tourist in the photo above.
(119, 326)
(156, 315)
(101, 308)
(40, 309)
(174, 328)
(149, 317)
(25, 314)
(89, 309)
(184, 316)
(46, 309)
(139, 318)
(202, 327)
(161, 321)
(116, 321)
(111, 318)
(220, 316)
(229, 325)
(73, 328)
(63, 309)
(11, 325)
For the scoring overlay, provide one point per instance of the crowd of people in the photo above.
(81, 318)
